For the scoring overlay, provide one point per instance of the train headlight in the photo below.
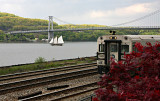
(99, 62)
(113, 37)
(101, 56)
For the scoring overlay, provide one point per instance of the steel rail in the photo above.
(17, 83)
(46, 71)
(45, 96)
(11, 89)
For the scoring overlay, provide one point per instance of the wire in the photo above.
(64, 21)
(141, 18)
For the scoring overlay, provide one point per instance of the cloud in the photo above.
(12, 1)
(79, 12)
(97, 14)
(125, 11)
(117, 15)
(12, 6)
(133, 9)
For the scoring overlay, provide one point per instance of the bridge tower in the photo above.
(50, 28)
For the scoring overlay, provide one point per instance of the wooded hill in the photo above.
(11, 22)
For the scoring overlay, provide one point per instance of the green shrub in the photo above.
(40, 60)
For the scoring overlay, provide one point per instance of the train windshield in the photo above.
(114, 48)
(125, 48)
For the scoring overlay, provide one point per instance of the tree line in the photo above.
(11, 22)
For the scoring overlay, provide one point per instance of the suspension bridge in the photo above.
(152, 22)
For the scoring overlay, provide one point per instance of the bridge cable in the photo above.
(138, 19)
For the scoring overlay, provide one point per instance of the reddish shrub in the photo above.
(136, 78)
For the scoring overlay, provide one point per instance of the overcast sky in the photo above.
(104, 12)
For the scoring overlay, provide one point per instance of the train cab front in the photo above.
(108, 46)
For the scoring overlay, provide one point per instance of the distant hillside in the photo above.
(11, 22)
(2, 14)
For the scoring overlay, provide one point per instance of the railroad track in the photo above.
(41, 83)
(40, 72)
(4, 88)
(64, 94)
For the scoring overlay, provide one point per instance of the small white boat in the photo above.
(57, 41)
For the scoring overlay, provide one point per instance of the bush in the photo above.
(40, 60)
(136, 78)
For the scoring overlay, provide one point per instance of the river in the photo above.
(21, 53)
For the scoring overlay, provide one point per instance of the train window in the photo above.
(113, 48)
(101, 47)
(125, 48)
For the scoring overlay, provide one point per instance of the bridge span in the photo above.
(152, 19)
(83, 29)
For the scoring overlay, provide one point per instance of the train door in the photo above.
(112, 49)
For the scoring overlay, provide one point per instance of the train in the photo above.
(115, 45)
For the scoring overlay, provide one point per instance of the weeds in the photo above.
(40, 64)
(40, 60)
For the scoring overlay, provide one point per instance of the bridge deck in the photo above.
(83, 29)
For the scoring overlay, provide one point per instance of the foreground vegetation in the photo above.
(136, 78)
(11, 22)
(41, 65)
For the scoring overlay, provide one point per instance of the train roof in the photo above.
(143, 36)
(134, 37)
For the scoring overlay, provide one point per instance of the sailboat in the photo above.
(57, 41)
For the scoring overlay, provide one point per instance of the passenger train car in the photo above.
(115, 46)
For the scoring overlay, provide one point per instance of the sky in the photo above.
(102, 12)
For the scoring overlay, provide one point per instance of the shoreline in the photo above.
(43, 41)
(44, 62)
(5, 70)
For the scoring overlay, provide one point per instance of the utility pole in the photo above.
(50, 28)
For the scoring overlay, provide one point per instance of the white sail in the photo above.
(51, 41)
(60, 40)
(55, 40)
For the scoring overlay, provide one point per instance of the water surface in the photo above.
(20, 53)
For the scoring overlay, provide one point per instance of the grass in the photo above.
(40, 60)
(40, 65)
